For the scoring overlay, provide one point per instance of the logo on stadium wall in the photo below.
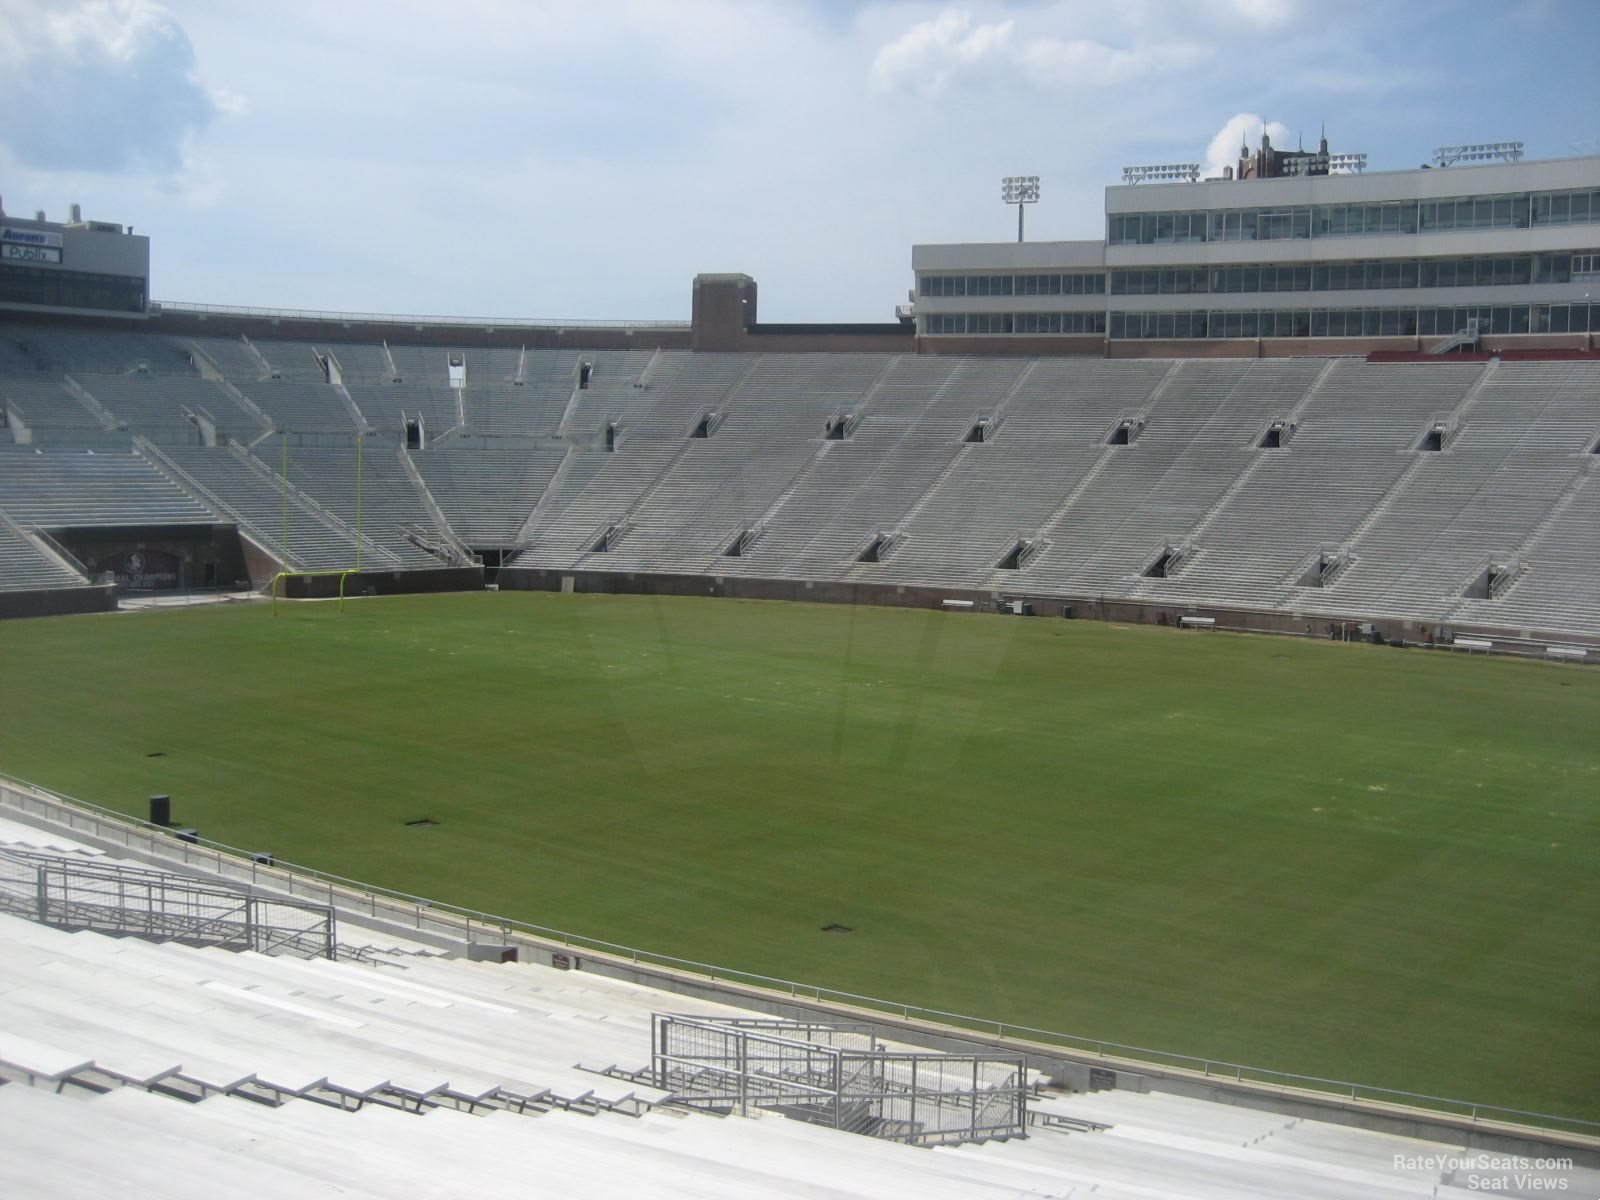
(28, 237)
(148, 570)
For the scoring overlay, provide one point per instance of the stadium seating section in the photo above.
(1449, 492)
(195, 1071)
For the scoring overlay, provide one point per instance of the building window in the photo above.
(1082, 283)
(973, 324)
(71, 289)
(1505, 211)
(1353, 322)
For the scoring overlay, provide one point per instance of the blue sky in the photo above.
(586, 160)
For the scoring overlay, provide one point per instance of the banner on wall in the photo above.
(147, 570)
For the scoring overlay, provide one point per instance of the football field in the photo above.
(1340, 860)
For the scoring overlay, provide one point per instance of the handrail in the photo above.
(458, 921)
(368, 318)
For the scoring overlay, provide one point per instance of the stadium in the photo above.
(1122, 725)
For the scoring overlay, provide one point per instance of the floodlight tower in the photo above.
(1020, 190)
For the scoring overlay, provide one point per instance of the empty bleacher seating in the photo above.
(58, 488)
(805, 460)
(396, 1069)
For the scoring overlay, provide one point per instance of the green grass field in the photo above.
(1340, 860)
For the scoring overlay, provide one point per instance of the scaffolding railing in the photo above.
(159, 906)
(839, 1076)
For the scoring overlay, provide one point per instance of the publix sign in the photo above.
(29, 245)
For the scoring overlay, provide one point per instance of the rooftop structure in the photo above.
(72, 266)
(1417, 258)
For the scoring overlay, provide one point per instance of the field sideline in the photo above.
(1339, 860)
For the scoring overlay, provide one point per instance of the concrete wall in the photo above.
(384, 583)
(55, 602)
(1028, 344)
(725, 319)
(1096, 608)
(723, 307)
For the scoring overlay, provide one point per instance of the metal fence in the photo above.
(430, 917)
(841, 1077)
(158, 905)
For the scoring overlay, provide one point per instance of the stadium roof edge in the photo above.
(371, 318)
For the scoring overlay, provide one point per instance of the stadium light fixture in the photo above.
(1347, 162)
(1446, 156)
(1161, 173)
(1020, 190)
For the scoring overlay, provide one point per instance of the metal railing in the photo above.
(368, 318)
(71, 893)
(444, 920)
(839, 1077)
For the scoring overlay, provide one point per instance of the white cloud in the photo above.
(1052, 62)
(100, 85)
(1240, 129)
(585, 160)
(1263, 14)
(930, 53)
(952, 47)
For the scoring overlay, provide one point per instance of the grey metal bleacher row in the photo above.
(1015, 486)
(1519, 451)
(487, 494)
(292, 361)
(1510, 484)
(245, 489)
(492, 364)
(1352, 446)
(151, 402)
(57, 488)
(301, 405)
(373, 1081)
(505, 410)
(383, 405)
(25, 565)
(657, 421)
(1349, 474)
(1346, 480)
(497, 406)
(829, 485)
(234, 358)
(100, 352)
(389, 504)
(769, 427)
(1158, 490)
(44, 402)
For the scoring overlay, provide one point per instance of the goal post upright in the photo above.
(360, 439)
(284, 476)
(343, 573)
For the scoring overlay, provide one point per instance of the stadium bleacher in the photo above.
(872, 468)
(487, 494)
(26, 565)
(55, 489)
(200, 1071)
(245, 489)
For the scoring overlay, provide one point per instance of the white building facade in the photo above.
(1413, 255)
